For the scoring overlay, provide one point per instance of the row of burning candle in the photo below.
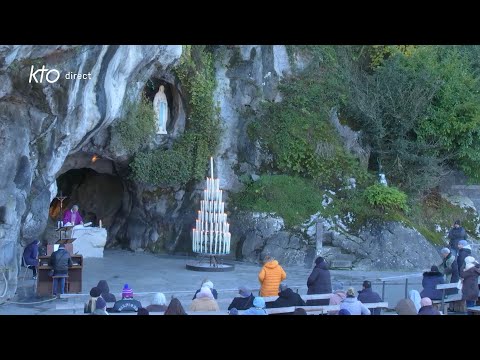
(213, 185)
(221, 226)
(206, 216)
(215, 195)
(211, 242)
(216, 206)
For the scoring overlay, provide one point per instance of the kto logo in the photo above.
(51, 75)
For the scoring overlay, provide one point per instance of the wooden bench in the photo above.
(320, 310)
(475, 310)
(446, 300)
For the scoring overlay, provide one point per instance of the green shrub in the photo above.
(137, 127)
(293, 198)
(298, 134)
(385, 197)
(162, 168)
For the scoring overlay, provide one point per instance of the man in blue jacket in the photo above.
(30, 256)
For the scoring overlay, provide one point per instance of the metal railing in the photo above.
(400, 277)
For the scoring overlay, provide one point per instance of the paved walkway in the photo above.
(146, 272)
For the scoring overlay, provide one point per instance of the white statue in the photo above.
(383, 179)
(160, 106)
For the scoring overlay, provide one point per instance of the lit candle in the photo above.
(220, 196)
(211, 166)
(227, 227)
(211, 241)
(228, 242)
(224, 243)
(196, 240)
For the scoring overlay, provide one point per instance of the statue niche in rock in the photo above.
(160, 106)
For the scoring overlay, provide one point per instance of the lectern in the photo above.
(74, 281)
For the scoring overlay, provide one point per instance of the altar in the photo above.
(89, 241)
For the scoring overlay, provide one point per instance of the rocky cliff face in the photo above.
(41, 124)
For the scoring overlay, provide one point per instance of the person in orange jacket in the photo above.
(270, 277)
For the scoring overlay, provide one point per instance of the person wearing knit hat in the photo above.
(101, 307)
(425, 301)
(427, 307)
(208, 284)
(258, 307)
(456, 234)
(470, 276)
(354, 306)
(127, 292)
(90, 306)
(127, 303)
(244, 301)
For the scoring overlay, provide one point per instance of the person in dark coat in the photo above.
(319, 282)
(470, 281)
(244, 301)
(30, 256)
(143, 311)
(367, 295)
(299, 311)
(60, 261)
(464, 250)
(456, 234)
(286, 297)
(106, 295)
(430, 281)
(427, 307)
(128, 303)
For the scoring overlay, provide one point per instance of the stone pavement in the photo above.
(146, 272)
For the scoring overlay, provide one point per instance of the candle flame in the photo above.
(94, 158)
